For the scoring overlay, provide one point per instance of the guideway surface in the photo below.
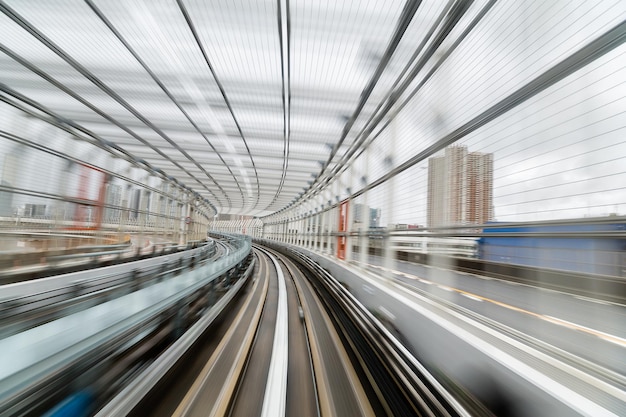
(238, 363)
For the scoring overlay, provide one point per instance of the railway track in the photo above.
(277, 354)
(28, 304)
(284, 348)
(277, 336)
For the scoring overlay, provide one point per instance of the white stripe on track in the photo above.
(275, 399)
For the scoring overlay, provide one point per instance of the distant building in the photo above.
(404, 226)
(6, 201)
(374, 215)
(460, 188)
(479, 209)
(34, 210)
(113, 199)
(221, 217)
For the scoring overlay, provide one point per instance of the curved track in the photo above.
(265, 358)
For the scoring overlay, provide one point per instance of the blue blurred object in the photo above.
(76, 405)
(593, 255)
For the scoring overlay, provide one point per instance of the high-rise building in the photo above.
(113, 199)
(460, 188)
(360, 210)
(479, 188)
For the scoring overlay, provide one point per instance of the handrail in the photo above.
(130, 312)
(127, 399)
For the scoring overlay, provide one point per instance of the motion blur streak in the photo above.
(448, 174)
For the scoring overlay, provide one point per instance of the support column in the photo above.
(389, 253)
(329, 217)
(311, 229)
(364, 240)
(316, 241)
(350, 222)
(183, 213)
(305, 232)
(335, 228)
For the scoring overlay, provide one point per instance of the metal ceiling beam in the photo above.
(17, 18)
(156, 79)
(259, 134)
(595, 49)
(192, 28)
(242, 93)
(284, 34)
(451, 15)
(408, 12)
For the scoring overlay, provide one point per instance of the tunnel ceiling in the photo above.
(248, 103)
